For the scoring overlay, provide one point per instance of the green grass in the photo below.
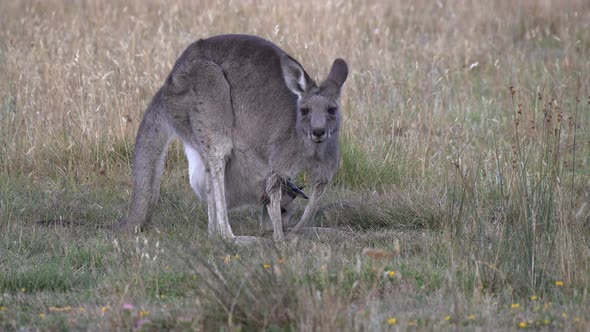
(187, 281)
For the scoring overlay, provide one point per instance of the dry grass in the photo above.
(481, 194)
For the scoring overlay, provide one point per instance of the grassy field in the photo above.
(463, 194)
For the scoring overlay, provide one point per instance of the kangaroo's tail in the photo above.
(149, 154)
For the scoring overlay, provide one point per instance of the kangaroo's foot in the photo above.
(251, 240)
(315, 232)
(124, 226)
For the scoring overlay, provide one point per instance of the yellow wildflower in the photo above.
(559, 283)
(522, 325)
(81, 309)
(391, 321)
(266, 266)
(515, 306)
(534, 298)
(447, 318)
(391, 274)
(60, 309)
(143, 313)
(104, 309)
(41, 315)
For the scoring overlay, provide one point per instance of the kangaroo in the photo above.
(250, 119)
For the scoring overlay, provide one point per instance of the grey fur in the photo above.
(254, 118)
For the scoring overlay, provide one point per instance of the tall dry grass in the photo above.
(76, 73)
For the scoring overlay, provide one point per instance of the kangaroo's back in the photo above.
(252, 68)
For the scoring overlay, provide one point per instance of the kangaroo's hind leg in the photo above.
(199, 103)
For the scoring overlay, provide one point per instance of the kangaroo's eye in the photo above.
(283, 210)
(304, 111)
(332, 110)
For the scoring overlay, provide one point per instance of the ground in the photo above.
(462, 199)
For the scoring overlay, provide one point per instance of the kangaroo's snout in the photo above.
(317, 124)
(318, 135)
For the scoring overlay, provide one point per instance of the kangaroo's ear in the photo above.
(339, 72)
(295, 77)
(337, 77)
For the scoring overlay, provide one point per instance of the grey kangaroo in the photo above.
(250, 119)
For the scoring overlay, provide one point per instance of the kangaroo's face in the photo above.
(318, 111)
(318, 117)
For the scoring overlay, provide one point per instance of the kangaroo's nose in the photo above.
(318, 132)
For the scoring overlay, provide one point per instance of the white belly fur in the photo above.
(196, 172)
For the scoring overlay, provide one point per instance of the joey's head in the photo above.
(318, 108)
